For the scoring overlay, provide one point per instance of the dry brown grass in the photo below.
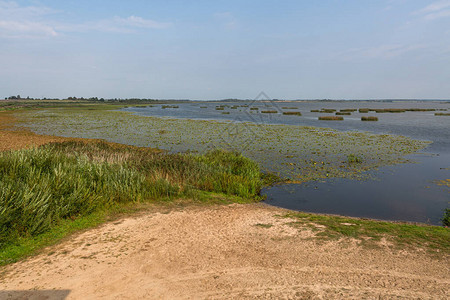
(15, 138)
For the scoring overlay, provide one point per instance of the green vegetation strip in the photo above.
(298, 153)
(371, 232)
(42, 189)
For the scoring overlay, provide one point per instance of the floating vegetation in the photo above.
(363, 110)
(299, 153)
(292, 113)
(225, 113)
(343, 113)
(389, 110)
(289, 107)
(169, 106)
(220, 108)
(420, 109)
(315, 110)
(203, 106)
(254, 108)
(352, 158)
(269, 112)
(369, 118)
(348, 110)
(331, 118)
(442, 114)
(234, 107)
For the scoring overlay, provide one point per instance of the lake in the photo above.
(405, 192)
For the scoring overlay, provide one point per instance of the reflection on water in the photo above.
(404, 192)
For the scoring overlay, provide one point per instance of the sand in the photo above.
(221, 252)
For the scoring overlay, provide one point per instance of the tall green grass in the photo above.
(42, 187)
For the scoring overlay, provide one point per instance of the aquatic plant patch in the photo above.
(331, 118)
(292, 113)
(299, 153)
(369, 118)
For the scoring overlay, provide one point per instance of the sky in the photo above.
(327, 49)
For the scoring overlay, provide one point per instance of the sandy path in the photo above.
(221, 253)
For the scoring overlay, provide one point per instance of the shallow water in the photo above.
(406, 192)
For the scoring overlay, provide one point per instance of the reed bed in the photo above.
(343, 113)
(421, 109)
(389, 110)
(269, 112)
(442, 114)
(292, 113)
(369, 118)
(348, 110)
(40, 187)
(363, 110)
(331, 118)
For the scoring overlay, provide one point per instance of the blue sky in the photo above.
(354, 49)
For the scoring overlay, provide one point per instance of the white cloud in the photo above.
(379, 52)
(227, 19)
(34, 22)
(133, 21)
(436, 10)
(18, 22)
(15, 29)
(117, 24)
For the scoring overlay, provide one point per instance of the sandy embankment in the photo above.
(222, 252)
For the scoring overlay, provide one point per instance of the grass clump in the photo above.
(343, 113)
(446, 218)
(442, 114)
(389, 110)
(371, 231)
(363, 110)
(269, 112)
(331, 118)
(292, 113)
(369, 118)
(44, 187)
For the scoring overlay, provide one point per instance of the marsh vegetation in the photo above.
(331, 118)
(42, 187)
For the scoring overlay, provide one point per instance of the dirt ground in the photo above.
(221, 252)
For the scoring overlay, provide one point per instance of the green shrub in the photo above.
(446, 218)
